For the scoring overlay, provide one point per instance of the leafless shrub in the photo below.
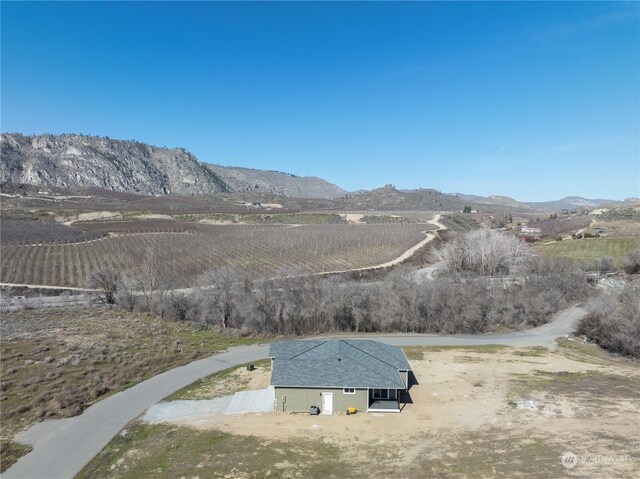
(178, 306)
(614, 321)
(484, 251)
(631, 262)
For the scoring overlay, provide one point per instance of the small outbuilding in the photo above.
(338, 374)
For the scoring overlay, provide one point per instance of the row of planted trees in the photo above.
(186, 256)
(466, 298)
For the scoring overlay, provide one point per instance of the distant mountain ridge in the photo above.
(575, 202)
(72, 161)
(68, 161)
(567, 203)
(276, 182)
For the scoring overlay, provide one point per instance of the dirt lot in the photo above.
(476, 412)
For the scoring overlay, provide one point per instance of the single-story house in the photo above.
(338, 374)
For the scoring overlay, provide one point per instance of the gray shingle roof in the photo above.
(337, 363)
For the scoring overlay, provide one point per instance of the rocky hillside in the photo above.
(73, 160)
(69, 161)
(277, 183)
(390, 198)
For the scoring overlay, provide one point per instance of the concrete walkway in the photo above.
(62, 447)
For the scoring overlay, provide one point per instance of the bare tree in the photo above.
(127, 297)
(268, 307)
(219, 296)
(485, 252)
(148, 280)
(106, 282)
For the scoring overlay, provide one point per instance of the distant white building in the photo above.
(530, 229)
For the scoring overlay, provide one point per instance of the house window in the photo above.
(349, 391)
(380, 394)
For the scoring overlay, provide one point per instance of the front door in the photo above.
(327, 403)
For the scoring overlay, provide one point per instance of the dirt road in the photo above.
(404, 256)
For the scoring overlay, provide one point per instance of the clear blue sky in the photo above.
(531, 100)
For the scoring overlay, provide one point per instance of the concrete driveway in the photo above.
(243, 402)
(260, 400)
(187, 409)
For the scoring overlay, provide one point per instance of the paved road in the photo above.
(62, 447)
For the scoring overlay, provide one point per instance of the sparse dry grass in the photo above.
(165, 451)
(10, 452)
(57, 362)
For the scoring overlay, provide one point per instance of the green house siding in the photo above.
(301, 399)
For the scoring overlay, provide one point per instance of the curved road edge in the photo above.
(62, 447)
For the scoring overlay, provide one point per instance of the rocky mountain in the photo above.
(276, 182)
(79, 161)
(70, 161)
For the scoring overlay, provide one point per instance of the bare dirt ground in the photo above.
(94, 215)
(354, 218)
(532, 405)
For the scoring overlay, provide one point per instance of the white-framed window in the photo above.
(349, 391)
(380, 394)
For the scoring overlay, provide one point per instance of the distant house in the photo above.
(338, 374)
(530, 229)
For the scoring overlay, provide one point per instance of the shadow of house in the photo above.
(413, 380)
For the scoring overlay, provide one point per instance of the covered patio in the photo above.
(383, 400)
(383, 405)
